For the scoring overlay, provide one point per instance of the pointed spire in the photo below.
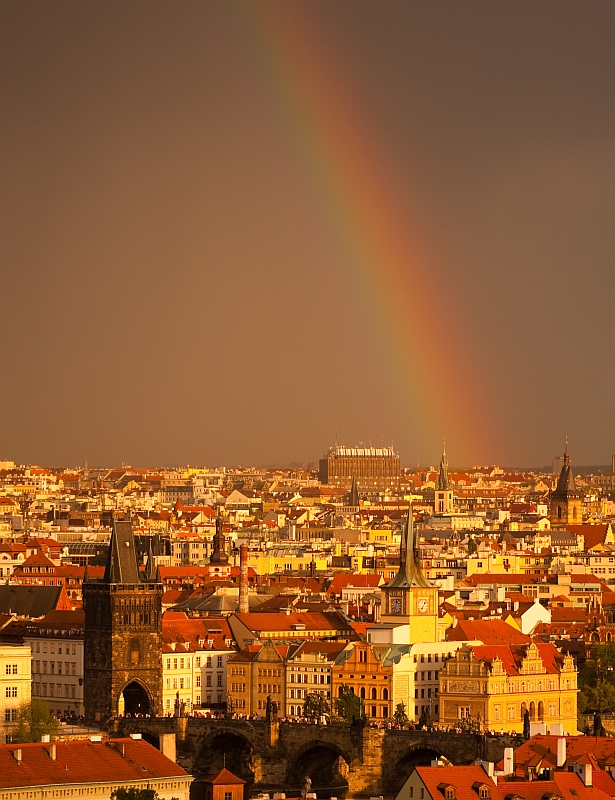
(443, 484)
(121, 566)
(151, 568)
(566, 486)
(410, 573)
(353, 497)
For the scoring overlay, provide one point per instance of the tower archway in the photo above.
(134, 701)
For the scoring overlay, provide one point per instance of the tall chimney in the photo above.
(244, 606)
(509, 761)
(561, 752)
(52, 752)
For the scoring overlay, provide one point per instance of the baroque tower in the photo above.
(409, 598)
(443, 500)
(566, 506)
(123, 633)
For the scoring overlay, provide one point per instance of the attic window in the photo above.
(448, 790)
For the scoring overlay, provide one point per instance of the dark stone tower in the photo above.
(123, 634)
(566, 507)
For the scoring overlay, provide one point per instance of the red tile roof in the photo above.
(224, 778)
(488, 631)
(84, 762)
(462, 778)
(565, 784)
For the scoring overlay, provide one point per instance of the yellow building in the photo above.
(15, 686)
(497, 684)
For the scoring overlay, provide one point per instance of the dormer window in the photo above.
(448, 790)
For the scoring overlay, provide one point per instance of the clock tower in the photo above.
(409, 598)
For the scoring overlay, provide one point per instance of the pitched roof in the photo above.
(545, 746)
(464, 779)
(84, 762)
(567, 785)
(30, 601)
(488, 631)
(224, 778)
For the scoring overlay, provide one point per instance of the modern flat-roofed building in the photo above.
(373, 468)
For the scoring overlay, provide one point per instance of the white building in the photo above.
(56, 643)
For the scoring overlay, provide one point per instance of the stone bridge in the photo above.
(341, 760)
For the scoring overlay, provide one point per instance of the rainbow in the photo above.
(378, 245)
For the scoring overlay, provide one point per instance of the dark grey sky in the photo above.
(171, 287)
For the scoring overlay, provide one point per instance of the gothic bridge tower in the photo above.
(123, 633)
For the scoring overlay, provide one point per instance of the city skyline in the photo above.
(236, 232)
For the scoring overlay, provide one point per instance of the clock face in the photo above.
(396, 605)
(422, 605)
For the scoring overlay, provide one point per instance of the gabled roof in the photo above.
(224, 778)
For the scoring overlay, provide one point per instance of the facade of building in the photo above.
(56, 642)
(123, 634)
(15, 686)
(256, 673)
(372, 468)
(363, 669)
(497, 684)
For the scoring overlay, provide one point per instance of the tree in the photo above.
(315, 706)
(34, 720)
(348, 706)
(400, 717)
(134, 794)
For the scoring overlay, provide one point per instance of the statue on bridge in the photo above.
(271, 709)
(307, 786)
(526, 724)
(599, 729)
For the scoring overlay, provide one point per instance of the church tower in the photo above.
(566, 506)
(219, 565)
(123, 633)
(409, 598)
(443, 500)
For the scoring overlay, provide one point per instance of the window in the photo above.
(198, 680)
(228, 796)
(219, 680)
(219, 661)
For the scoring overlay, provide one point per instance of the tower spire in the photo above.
(443, 484)
(410, 573)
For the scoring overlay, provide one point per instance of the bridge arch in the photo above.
(325, 764)
(226, 747)
(420, 754)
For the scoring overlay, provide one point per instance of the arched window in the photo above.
(340, 691)
(385, 694)
(363, 692)
(541, 711)
(532, 710)
(374, 694)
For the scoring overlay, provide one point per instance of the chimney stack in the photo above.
(17, 754)
(244, 605)
(561, 752)
(52, 752)
(509, 762)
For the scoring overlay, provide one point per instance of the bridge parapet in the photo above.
(341, 759)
